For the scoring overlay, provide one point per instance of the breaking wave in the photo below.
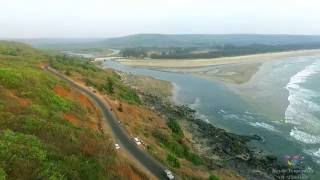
(304, 137)
(175, 91)
(196, 103)
(263, 125)
(302, 108)
(315, 153)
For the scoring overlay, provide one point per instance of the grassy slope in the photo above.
(36, 141)
(106, 81)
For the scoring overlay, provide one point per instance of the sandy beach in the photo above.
(178, 63)
(235, 70)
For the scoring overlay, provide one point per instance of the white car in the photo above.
(169, 174)
(117, 146)
(137, 141)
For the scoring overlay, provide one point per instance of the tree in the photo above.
(110, 86)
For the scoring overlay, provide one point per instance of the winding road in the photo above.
(119, 133)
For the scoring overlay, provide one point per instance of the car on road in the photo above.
(92, 89)
(117, 146)
(137, 141)
(168, 174)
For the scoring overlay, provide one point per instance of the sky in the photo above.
(110, 18)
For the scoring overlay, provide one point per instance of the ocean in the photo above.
(281, 103)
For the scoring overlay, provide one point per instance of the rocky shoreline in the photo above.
(222, 149)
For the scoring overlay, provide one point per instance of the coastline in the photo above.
(221, 150)
(238, 70)
(224, 152)
(199, 129)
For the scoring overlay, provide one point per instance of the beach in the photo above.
(235, 70)
(176, 63)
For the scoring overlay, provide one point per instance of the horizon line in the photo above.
(134, 34)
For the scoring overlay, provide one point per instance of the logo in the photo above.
(293, 161)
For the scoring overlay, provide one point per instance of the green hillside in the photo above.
(36, 140)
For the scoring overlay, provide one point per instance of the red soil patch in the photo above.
(22, 102)
(85, 101)
(81, 123)
(74, 95)
(61, 91)
(72, 118)
(91, 119)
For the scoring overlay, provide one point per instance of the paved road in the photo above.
(122, 137)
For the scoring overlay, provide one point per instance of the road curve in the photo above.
(145, 159)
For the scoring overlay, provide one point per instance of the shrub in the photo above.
(173, 161)
(194, 158)
(109, 86)
(175, 128)
(213, 177)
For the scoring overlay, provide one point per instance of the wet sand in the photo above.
(150, 85)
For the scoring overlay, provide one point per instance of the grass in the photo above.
(36, 142)
(106, 81)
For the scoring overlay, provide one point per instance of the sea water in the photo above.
(282, 104)
(303, 111)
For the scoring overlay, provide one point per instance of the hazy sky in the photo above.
(106, 18)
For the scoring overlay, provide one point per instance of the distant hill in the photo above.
(206, 40)
(171, 40)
